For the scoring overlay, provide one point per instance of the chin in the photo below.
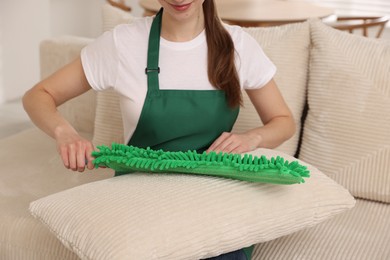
(183, 9)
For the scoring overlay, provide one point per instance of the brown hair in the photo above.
(221, 69)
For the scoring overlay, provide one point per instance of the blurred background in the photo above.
(25, 23)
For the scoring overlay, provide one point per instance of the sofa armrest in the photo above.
(56, 53)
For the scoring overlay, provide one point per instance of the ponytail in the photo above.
(221, 69)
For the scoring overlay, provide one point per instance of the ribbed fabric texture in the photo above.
(347, 131)
(156, 216)
(31, 169)
(108, 119)
(284, 45)
(361, 233)
(26, 238)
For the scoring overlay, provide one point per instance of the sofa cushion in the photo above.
(284, 45)
(173, 216)
(31, 168)
(347, 131)
(361, 233)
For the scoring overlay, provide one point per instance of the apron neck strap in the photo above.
(152, 70)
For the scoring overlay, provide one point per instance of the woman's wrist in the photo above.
(274, 133)
(63, 130)
(256, 138)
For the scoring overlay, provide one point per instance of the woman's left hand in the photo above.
(235, 143)
(278, 124)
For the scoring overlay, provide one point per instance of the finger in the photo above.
(72, 157)
(230, 147)
(64, 156)
(218, 141)
(81, 156)
(238, 150)
(223, 147)
(89, 156)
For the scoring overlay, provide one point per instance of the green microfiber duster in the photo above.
(123, 158)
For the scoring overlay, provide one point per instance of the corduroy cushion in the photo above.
(284, 45)
(144, 216)
(30, 169)
(362, 233)
(347, 131)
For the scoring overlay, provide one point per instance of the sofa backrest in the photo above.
(347, 129)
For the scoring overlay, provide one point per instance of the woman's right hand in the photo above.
(75, 151)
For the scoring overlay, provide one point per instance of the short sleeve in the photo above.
(100, 62)
(257, 68)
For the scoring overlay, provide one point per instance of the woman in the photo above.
(179, 77)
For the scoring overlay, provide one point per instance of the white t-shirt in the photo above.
(118, 58)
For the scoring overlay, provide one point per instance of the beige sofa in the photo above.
(338, 87)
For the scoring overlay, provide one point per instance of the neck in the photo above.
(183, 30)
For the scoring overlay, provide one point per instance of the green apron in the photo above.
(179, 120)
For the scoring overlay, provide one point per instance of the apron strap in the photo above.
(152, 70)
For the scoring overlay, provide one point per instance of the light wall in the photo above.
(25, 23)
(76, 17)
(2, 98)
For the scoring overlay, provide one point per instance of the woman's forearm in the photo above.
(41, 104)
(277, 118)
(271, 135)
(41, 108)
(274, 133)
(42, 100)
(75, 151)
